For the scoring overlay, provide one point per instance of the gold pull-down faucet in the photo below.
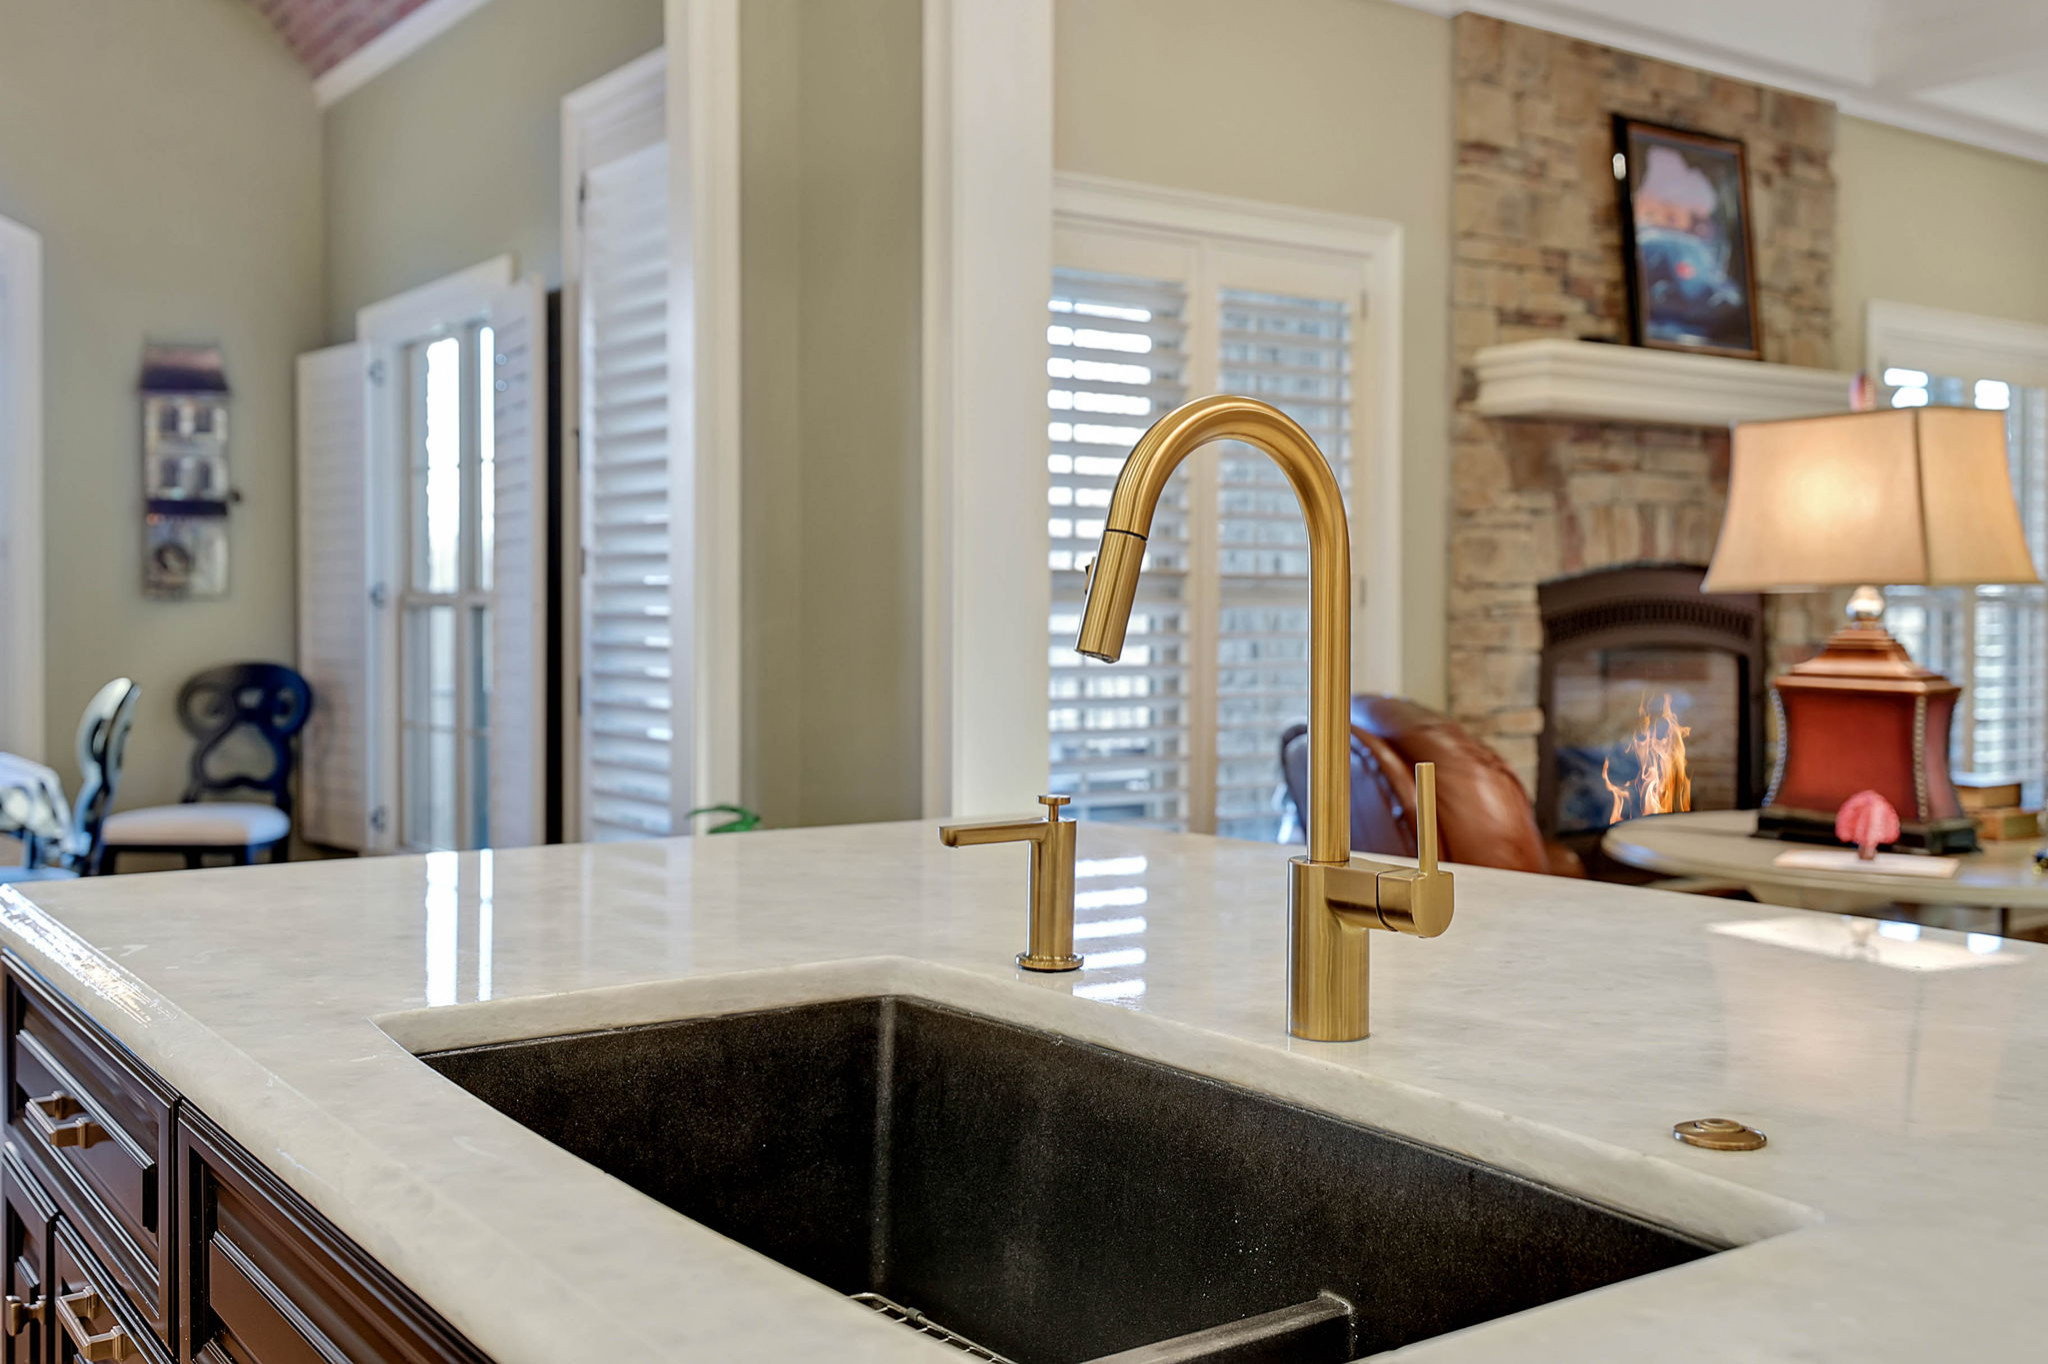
(1334, 902)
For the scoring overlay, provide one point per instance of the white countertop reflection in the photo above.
(1559, 1029)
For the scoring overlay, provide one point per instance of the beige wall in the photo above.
(169, 154)
(453, 156)
(1341, 105)
(831, 265)
(1935, 223)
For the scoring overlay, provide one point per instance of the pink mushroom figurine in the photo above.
(1866, 819)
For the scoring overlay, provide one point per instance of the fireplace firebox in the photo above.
(1652, 696)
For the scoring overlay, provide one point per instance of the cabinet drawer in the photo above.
(25, 1317)
(97, 1129)
(270, 1281)
(91, 1320)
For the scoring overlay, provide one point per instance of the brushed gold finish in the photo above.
(1333, 900)
(18, 1314)
(74, 1311)
(69, 1125)
(1719, 1134)
(1051, 944)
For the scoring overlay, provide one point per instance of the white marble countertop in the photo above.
(1900, 1211)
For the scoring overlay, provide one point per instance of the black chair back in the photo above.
(268, 700)
(102, 743)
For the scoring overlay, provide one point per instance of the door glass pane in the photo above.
(437, 468)
(486, 451)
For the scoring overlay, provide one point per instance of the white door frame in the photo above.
(21, 489)
(988, 188)
(614, 107)
(703, 47)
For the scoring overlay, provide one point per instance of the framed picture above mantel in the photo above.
(1686, 242)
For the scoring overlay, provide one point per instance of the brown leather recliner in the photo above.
(1483, 815)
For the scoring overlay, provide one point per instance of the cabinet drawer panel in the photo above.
(91, 1322)
(97, 1128)
(25, 1319)
(269, 1281)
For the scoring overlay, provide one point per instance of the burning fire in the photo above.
(1661, 785)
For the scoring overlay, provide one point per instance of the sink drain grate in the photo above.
(924, 1325)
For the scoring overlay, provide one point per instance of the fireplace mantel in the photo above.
(1596, 381)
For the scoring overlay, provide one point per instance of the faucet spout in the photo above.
(1334, 903)
(1113, 579)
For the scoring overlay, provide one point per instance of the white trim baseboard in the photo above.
(703, 46)
(390, 47)
(21, 489)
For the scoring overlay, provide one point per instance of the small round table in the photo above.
(1998, 886)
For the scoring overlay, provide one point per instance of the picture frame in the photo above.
(1687, 247)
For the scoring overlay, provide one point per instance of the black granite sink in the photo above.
(1050, 1200)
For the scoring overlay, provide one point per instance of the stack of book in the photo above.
(1997, 809)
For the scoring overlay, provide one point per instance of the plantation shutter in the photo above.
(516, 369)
(1993, 640)
(340, 802)
(1295, 353)
(1120, 735)
(1184, 732)
(630, 650)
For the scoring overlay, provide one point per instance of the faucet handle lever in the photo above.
(1425, 817)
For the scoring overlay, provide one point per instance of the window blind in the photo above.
(1295, 353)
(514, 546)
(1992, 640)
(1184, 731)
(628, 674)
(339, 796)
(1120, 735)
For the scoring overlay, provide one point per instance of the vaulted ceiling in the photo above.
(322, 33)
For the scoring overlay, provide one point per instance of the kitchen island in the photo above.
(1558, 1031)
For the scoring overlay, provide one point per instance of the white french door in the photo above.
(423, 533)
(445, 606)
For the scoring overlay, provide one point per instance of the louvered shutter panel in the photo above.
(1119, 733)
(517, 720)
(630, 701)
(340, 801)
(1294, 353)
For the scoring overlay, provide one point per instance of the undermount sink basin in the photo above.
(1050, 1200)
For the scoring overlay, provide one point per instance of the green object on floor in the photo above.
(742, 819)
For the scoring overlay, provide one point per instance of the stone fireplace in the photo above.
(1636, 655)
(1537, 254)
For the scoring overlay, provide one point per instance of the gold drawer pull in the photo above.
(59, 1120)
(78, 1309)
(19, 1314)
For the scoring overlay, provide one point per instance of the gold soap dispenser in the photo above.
(1051, 944)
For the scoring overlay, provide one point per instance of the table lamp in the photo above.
(1909, 496)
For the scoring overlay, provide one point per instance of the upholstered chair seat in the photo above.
(211, 824)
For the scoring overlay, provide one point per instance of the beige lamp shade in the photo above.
(1909, 496)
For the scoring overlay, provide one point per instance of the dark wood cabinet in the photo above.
(94, 1128)
(273, 1283)
(93, 1321)
(25, 1316)
(137, 1230)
